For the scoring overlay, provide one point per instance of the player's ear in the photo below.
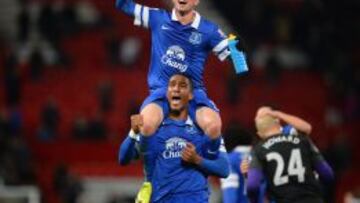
(197, 2)
(191, 96)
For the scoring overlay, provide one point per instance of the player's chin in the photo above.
(183, 8)
(175, 107)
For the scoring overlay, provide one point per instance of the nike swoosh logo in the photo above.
(163, 27)
(211, 152)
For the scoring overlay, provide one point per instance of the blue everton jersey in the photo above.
(165, 169)
(179, 48)
(234, 187)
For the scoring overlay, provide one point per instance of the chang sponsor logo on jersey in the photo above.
(173, 147)
(175, 57)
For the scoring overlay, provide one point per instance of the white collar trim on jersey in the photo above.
(195, 24)
(244, 149)
(189, 121)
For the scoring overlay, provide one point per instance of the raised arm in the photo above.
(219, 166)
(128, 151)
(143, 16)
(296, 122)
(127, 6)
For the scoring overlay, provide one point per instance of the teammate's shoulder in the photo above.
(208, 25)
(258, 145)
(242, 149)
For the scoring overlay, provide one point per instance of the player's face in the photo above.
(185, 5)
(179, 92)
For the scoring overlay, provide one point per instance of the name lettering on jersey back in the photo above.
(173, 148)
(175, 57)
(275, 140)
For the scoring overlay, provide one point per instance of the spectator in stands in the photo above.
(87, 14)
(48, 24)
(68, 186)
(272, 70)
(50, 118)
(97, 127)
(15, 120)
(112, 44)
(130, 50)
(16, 166)
(233, 87)
(4, 124)
(106, 95)
(12, 80)
(23, 24)
(80, 127)
(37, 64)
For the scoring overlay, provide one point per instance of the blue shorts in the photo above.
(200, 99)
(193, 197)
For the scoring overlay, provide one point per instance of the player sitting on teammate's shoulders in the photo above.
(288, 162)
(181, 41)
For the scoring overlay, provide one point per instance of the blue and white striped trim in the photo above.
(145, 17)
(232, 181)
(221, 50)
(141, 15)
(222, 146)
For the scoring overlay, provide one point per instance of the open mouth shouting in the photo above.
(176, 100)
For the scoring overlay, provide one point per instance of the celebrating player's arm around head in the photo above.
(292, 123)
(181, 43)
(288, 162)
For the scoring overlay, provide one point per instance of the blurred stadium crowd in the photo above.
(74, 70)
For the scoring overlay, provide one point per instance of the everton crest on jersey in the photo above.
(195, 38)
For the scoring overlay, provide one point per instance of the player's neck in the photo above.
(178, 115)
(185, 17)
(273, 131)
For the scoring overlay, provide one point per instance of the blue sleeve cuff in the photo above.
(127, 151)
(255, 177)
(325, 171)
(127, 6)
(219, 167)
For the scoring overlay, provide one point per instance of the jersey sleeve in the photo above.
(219, 44)
(144, 16)
(229, 187)
(219, 167)
(316, 156)
(127, 151)
(321, 166)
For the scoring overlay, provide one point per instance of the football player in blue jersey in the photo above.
(239, 147)
(174, 157)
(181, 42)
